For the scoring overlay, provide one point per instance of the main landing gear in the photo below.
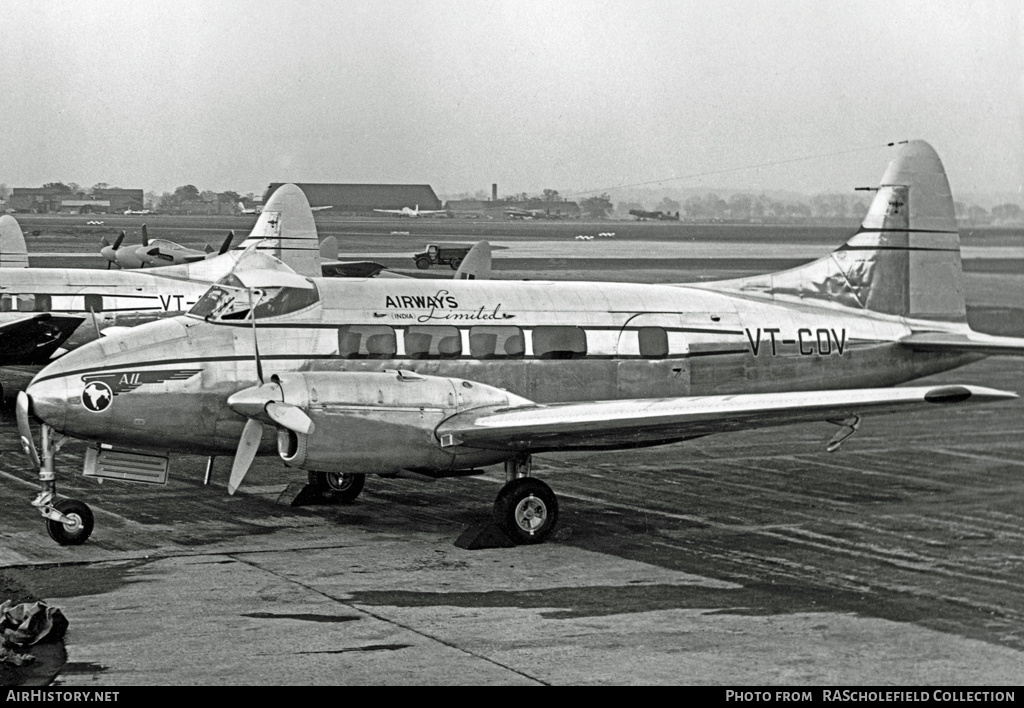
(526, 509)
(340, 486)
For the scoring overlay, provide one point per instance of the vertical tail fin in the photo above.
(904, 260)
(286, 230)
(13, 251)
(477, 263)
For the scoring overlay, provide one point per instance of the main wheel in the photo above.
(78, 531)
(422, 263)
(527, 510)
(342, 486)
(456, 262)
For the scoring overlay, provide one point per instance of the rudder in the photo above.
(905, 259)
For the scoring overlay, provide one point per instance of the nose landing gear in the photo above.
(68, 521)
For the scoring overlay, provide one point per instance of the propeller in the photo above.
(145, 236)
(110, 252)
(226, 246)
(262, 404)
(25, 429)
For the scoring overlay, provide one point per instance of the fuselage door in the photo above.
(652, 351)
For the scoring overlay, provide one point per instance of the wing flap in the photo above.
(650, 421)
(972, 343)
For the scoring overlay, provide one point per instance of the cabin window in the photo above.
(496, 343)
(282, 301)
(25, 303)
(366, 342)
(433, 342)
(653, 342)
(94, 303)
(559, 342)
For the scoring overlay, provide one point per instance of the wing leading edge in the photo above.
(638, 422)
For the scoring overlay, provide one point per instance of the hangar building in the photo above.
(43, 200)
(364, 198)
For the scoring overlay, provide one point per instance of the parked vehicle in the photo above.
(442, 254)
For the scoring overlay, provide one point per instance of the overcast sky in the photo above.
(530, 94)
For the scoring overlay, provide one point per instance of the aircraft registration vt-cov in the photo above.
(344, 378)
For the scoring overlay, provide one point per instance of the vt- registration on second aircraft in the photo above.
(343, 378)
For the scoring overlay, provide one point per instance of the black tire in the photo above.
(75, 535)
(422, 263)
(342, 486)
(456, 262)
(526, 510)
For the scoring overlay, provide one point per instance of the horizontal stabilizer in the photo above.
(973, 342)
(605, 424)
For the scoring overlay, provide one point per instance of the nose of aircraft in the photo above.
(69, 393)
(48, 394)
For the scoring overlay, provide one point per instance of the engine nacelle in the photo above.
(383, 422)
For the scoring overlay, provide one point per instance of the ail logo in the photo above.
(100, 389)
(96, 396)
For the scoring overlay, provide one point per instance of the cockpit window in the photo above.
(230, 300)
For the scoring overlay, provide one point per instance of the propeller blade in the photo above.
(145, 236)
(104, 242)
(248, 444)
(227, 243)
(25, 429)
(292, 417)
(120, 238)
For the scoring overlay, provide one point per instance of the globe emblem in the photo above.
(97, 396)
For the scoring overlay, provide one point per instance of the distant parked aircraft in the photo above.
(158, 252)
(139, 212)
(253, 210)
(655, 215)
(411, 213)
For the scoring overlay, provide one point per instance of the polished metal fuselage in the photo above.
(171, 379)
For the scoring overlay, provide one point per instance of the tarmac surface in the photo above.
(752, 558)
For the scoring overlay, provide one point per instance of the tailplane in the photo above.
(904, 260)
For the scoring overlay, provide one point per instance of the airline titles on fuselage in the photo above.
(439, 306)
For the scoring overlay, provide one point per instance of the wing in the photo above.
(351, 269)
(638, 422)
(389, 211)
(972, 342)
(34, 338)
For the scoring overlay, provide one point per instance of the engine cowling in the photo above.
(383, 422)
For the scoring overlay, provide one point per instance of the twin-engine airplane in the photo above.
(156, 253)
(343, 378)
(412, 213)
(46, 310)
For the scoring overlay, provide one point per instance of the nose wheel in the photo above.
(69, 522)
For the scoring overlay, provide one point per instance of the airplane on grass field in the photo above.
(412, 378)
(412, 213)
